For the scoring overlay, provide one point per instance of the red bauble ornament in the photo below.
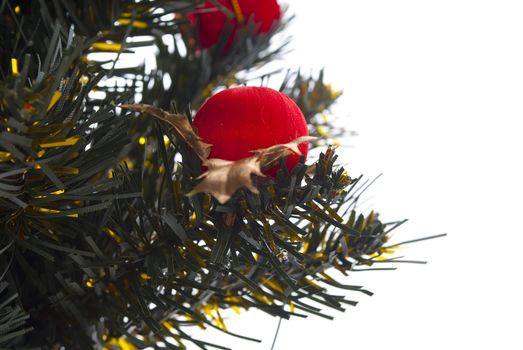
(210, 20)
(240, 120)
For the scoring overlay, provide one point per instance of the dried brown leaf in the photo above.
(224, 177)
(181, 125)
(269, 156)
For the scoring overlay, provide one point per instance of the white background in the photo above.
(435, 91)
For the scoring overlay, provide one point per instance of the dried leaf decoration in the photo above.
(269, 156)
(224, 177)
(180, 124)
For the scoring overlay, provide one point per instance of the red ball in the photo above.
(211, 20)
(240, 120)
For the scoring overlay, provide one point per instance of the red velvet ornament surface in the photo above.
(211, 20)
(239, 120)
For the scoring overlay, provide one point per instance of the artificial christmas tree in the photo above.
(119, 227)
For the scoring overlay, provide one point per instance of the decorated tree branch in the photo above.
(132, 209)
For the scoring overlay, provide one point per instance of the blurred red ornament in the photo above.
(210, 20)
(240, 120)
